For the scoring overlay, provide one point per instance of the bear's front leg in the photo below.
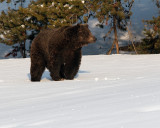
(54, 66)
(72, 64)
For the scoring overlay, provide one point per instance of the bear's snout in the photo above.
(95, 39)
(92, 39)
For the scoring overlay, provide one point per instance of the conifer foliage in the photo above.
(12, 28)
(53, 13)
(151, 43)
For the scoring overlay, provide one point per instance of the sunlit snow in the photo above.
(117, 91)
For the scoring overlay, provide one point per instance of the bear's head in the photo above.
(84, 34)
(80, 35)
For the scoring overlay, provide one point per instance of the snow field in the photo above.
(117, 91)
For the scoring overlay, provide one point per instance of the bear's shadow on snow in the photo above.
(46, 75)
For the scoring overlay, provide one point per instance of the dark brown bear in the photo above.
(59, 50)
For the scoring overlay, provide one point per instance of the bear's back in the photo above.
(47, 34)
(47, 38)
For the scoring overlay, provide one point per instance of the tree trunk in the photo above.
(110, 51)
(115, 34)
(115, 42)
(24, 54)
(24, 50)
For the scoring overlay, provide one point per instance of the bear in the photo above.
(59, 50)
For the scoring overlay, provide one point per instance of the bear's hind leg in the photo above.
(37, 68)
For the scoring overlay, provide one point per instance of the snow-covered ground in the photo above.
(117, 91)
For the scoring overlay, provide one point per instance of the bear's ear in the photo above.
(86, 25)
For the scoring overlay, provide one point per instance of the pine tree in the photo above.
(113, 13)
(13, 28)
(151, 43)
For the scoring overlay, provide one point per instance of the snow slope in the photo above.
(117, 91)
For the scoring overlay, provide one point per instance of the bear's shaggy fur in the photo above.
(59, 50)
